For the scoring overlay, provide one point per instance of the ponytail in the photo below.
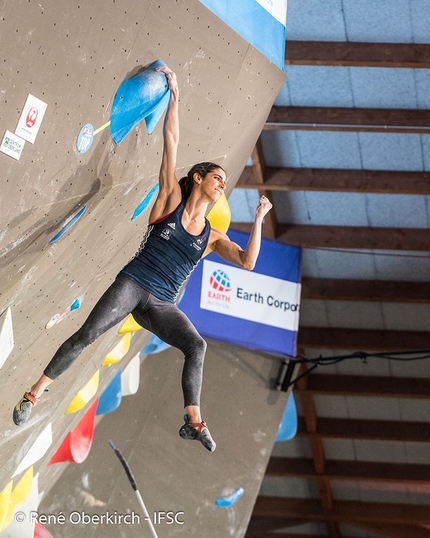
(187, 182)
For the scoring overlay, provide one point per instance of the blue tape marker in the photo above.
(71, 223)
(145, 202)
(229, 500)
(85, 138)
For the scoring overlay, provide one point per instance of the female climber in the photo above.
(176, 238)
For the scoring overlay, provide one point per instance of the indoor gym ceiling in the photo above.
(345, 157)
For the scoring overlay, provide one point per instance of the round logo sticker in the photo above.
(85, 138)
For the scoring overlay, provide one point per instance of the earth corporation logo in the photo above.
(220, 281)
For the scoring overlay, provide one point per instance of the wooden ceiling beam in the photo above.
(263, 524)
(337, 180)
(337, 289)
(355, 54)
(394, 531)
(263, 534)
(317, 449)
(362, 339)
(349, 237)
(386, 120)
(367, 386)
(384, 529)
(343, 511)
(258, 171)
(405, 473)
(355, 237)
(368, 430)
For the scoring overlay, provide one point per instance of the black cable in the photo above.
(286, 381)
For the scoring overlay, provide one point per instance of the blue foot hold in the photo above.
(76, 304)
(155, 345)
(145, 202)
(67, 226)
(229, 500)
(111, 397)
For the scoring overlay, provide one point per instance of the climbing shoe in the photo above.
(24, 408)
(197, 431)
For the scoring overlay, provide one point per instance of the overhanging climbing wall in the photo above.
(180, 481)
(73, 56)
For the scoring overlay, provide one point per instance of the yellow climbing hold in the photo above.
(130, 325)
(19, 495)
(85, 394)
(118, 351)
(5, 504)
(219, 216)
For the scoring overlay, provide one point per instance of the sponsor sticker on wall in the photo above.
(31, 118)
(12, 145)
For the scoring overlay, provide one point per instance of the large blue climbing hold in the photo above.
(145, 95)
(288, 426)
(111, 397)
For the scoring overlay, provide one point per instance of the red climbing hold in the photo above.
(77, 444)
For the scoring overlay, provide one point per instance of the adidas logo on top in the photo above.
(172, 225)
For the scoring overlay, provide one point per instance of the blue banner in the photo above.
(260, 22)
(257, 309)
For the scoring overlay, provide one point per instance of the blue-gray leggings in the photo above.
(162, 318)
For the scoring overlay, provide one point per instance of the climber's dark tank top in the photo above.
(167, 255)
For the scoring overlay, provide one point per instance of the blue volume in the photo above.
(144, 96)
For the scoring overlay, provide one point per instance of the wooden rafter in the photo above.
(337, 180)
(385, 529)
(370, 430)
(265, 534)
(355, 237)
(258, 525)
(340, 53)
(366, 386)
(395, 531)
(261, 527)
(384, 120)
(258, 172)
(343, 511)
(317, 449)
(349, 237)
(336, 289)
(362, 339)
(405, 473)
